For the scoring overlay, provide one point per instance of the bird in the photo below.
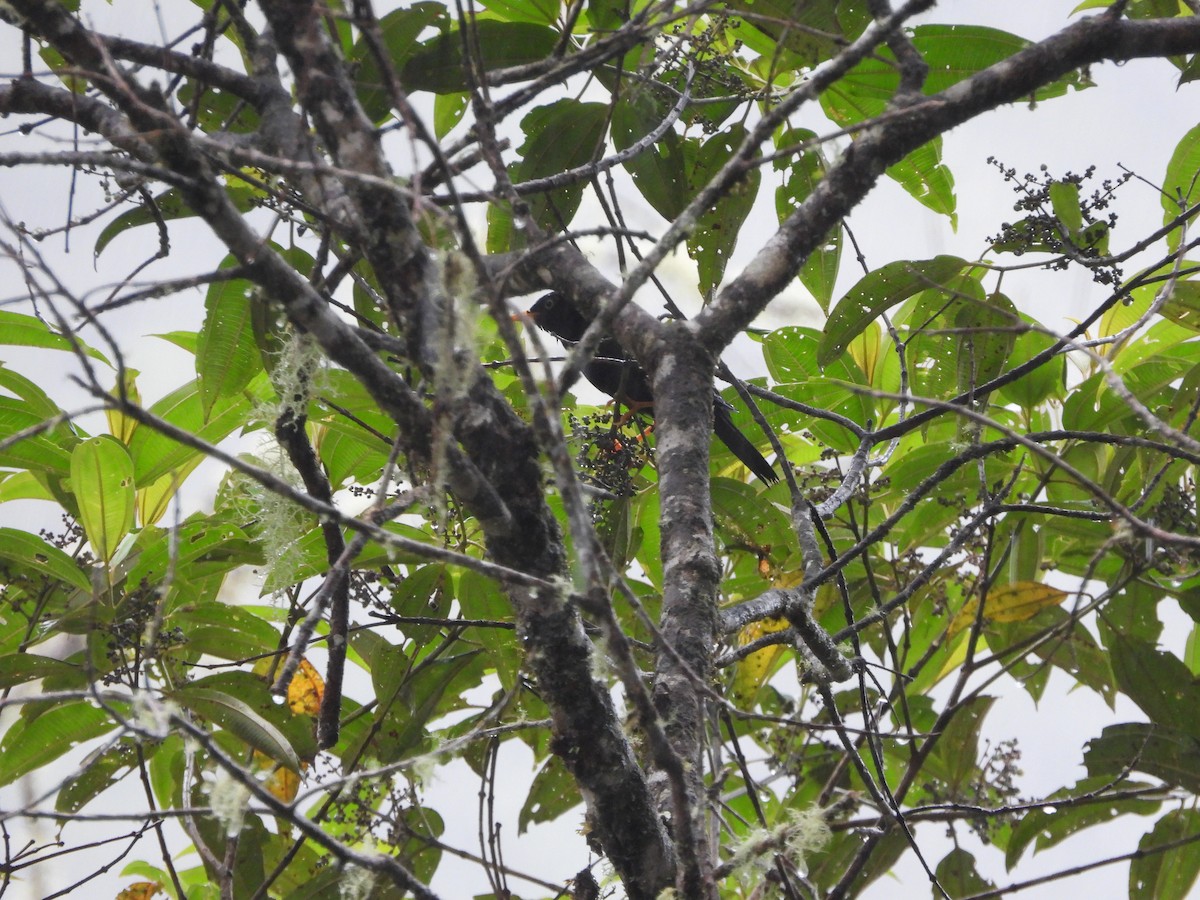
(614, 373)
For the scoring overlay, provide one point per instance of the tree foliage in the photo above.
(428, 545)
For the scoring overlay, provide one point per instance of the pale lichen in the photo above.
(229, 798)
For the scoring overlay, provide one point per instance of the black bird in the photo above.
(615, 374)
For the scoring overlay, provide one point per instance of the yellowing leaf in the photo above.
(864, 349)
(120, 425)
(790, 579)
(1014, 602)
(827, 594)
(283, 783)
(140, 890)
(753, 670)
(155, 499)
(306, 690)
(957, 656)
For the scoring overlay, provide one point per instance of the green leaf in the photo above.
(400, 31)
(227, 355)
(25, 552)
(543, 12)
(618, 533)
(956, 52)
(1181, 184)
(1046, 381)
(236, 716)
(19, 330)
(388, 665)
(1191, 650)
(448, 110)
(421, 850)
(312, 557)
(659, 172)
(184, 340)
(954, 757)
(1064, 200)
(878, 292)
(553, 792)
(254, 690)
(1172, 756)
(1167, 875)
(58, 64)
(712, 242)
(958, 877)
(217, 110)
(835, 395)
(224, 630)
(1190, 72)
(23, 486)
(1183, 307)
(828, 867)
(168, 206)
(745, 522)
(1158, 340)
(349, 451)
(988, 340)
(480, 597)
(102, 481)
(35, 740)
(47, 451)
(154, 454)
(99, 772)
(202, 547)
(154, 500)
(814, 38)
(1133, 613)
(563, 135)
(927, 180)
(791, 354)
(1157, 682)
(646, 513)
(19, 668)
(607, 15)
(428, 591)
(166, 771)
(37, 401)
(1050, 826)
(802, 173)
(935, 362)
(953, 53)
(403, 723)
(439, 66)
(1073, 650)
(247, 866)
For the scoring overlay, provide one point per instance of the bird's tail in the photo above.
(741, 446)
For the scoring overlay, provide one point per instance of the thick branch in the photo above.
(691, 574)
(1089, 41)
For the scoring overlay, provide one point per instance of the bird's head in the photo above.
(554, 313)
